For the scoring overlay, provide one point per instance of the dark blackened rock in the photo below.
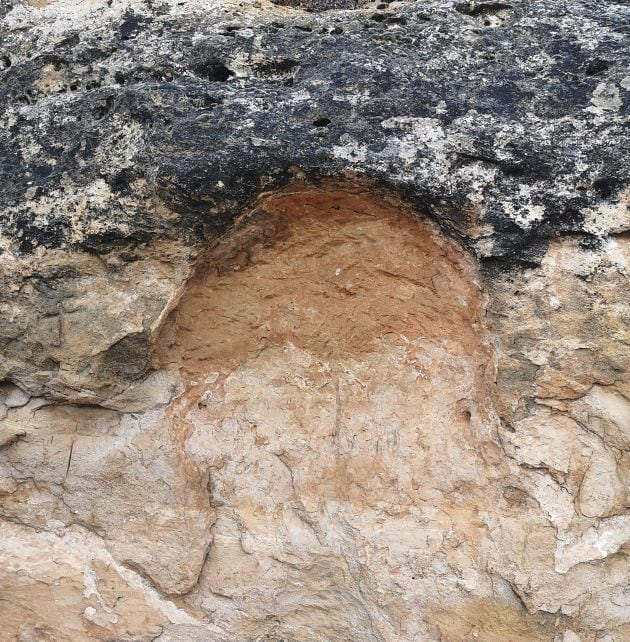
(516, 111)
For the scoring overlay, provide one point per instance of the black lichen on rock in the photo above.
(513, 115)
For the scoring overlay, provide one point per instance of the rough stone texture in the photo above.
(314, 324)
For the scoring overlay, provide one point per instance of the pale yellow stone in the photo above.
(339, 430)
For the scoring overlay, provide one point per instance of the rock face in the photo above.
(314, 322)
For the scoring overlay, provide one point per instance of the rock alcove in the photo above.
(338, 395)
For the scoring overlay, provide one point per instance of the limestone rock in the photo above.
(314, 321)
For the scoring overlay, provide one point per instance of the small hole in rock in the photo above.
(321, 122)
(605, 186)
(213, 70)
(597, 66)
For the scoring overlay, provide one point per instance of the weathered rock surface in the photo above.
(314, 325)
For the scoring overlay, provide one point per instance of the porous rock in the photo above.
(314, 321)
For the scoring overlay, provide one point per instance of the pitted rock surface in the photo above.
(133, 121)
(314, 321)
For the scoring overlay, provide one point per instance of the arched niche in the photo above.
(338, 392)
